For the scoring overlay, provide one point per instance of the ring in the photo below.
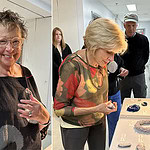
(30, 113)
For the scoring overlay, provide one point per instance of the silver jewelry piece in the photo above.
(30, 113)
(124, 145)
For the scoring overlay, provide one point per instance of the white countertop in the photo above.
(144, 111)
(125, 131)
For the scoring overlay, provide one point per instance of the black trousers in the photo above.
(75, 138)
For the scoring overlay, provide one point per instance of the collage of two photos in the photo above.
(74, 75)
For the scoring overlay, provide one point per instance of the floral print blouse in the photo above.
(80, 85)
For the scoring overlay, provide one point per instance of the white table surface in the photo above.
(144, 111)
(125, 132)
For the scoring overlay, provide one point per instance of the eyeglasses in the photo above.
(15, 42)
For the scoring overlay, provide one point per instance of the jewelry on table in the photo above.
(124, 145)
(140, 146)
(140, 126)
(133, 108)
(144, 103)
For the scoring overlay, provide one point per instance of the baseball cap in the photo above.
(131, 17)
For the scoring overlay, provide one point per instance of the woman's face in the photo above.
(58, 36)
(103, 57)
(10, 46)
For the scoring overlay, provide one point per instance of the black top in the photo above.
(113, 78)
(16, 133)
(56, 63)
(137, 54)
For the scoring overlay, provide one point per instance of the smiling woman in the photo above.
(22, 114)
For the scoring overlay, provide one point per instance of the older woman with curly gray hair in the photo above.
(23, 118)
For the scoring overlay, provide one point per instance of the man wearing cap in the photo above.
(135, 59)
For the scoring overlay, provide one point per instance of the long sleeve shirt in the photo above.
(75, 89)
(137, 54)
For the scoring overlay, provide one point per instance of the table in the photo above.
(125, 131)
(144, 111)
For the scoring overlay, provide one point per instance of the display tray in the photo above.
(144, 111)
(125, 132)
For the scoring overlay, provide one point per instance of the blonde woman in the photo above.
(60, 51)
(82, 94)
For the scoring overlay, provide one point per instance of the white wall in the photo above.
(73, 16)
(68, 15)
(36, 55)
(146, 26)
(97, 7)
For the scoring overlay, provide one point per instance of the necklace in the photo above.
(140, 126)
(99, 67)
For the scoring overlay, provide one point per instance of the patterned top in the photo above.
(77, 88)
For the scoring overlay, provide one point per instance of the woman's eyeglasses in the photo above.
(15, 42)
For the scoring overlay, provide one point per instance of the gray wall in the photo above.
(37, 57)
(36, 54)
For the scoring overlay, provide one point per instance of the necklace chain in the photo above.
(97, 87)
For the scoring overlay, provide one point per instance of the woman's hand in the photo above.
(104, 108)
(33, 110)
(87, 119)
(123, 72)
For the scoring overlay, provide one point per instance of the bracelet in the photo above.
(46, 124)
(140, 126)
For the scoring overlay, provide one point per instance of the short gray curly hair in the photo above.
(12, 20)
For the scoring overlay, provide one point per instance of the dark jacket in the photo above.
(137, 54)
(56, 63)
(113, 78)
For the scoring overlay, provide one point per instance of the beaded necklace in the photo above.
(100, 69)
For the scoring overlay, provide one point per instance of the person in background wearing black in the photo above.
(114, 94)
(135, 59)
(60, 51)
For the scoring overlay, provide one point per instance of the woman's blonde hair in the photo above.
(105, 34)
(63, 45)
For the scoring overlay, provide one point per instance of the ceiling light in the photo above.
(131, 7)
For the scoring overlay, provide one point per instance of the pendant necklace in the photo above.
(99, 67)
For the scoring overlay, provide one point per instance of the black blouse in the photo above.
(113, 77)
(56, 63)
(16, 133)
